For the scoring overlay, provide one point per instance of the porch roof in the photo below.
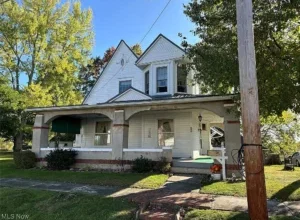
(166, 100)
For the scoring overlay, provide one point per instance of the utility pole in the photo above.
(255, 177)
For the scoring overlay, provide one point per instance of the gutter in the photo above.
(133, 104)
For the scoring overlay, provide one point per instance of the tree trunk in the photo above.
(18, 141)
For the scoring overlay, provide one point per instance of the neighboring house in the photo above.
(145, 105)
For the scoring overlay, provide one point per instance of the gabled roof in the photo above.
(150, 46)
(133, 92)
(121, 41)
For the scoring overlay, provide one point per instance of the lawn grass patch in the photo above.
(147, 181)
(45, 205)
(280, 184)
(196, 214)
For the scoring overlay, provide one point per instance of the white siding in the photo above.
(161, 50)
(108, 84)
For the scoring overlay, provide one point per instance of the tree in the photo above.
(137, 49)
(280, 133)
(46, 41)
(277, 43)
(89, 74)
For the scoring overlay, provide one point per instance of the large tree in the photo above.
(277, 43)
(47, 42)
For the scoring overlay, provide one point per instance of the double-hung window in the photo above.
(165, 133)
(124, 85)
(161, 79)
(102, 133)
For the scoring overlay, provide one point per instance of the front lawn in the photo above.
(45, 205)
(280, 184)
(196, 214)
(148, 181)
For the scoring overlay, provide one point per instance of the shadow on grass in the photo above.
(285, 192)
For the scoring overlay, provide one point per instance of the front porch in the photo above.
(112, 135)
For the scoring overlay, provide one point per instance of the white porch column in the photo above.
(40, 133)
(232, 140)
(119, 134)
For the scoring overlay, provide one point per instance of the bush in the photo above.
(60, 159)
(24, 159)
(162, 166)
(142, 165)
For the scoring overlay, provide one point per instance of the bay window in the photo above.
(161, 79)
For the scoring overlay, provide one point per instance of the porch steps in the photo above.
(197, 166)
(188, 170)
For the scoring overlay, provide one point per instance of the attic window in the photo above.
(124, 85)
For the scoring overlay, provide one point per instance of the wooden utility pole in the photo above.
(255, 177)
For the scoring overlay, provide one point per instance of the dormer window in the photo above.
(162, 79)
(147, 82)
(124, 85)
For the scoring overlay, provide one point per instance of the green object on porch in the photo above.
(204, 159)
(66, 124)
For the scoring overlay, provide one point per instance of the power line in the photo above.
(162, 11)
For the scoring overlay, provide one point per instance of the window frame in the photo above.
(167, 78)
(173, 132)
(102, 133)
(122, 81)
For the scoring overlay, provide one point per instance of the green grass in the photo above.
(45, 205)
(225, 215)
(280, 184)
(147, 181)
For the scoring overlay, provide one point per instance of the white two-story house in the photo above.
(147, 105)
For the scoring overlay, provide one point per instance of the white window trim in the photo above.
(155, 66)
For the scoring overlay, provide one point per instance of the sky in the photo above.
(114, 20)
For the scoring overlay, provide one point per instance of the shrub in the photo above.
(24, 159)
(162, 166)
(142, 165)
(60, 159)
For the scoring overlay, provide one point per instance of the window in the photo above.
(102, 133)
(181, 78)
(124, 85)
(147, 82)
(165, 133)
(162, 79)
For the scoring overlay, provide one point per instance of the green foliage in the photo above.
(60, 159)
(280, 133)
(277, 43)
(24, 159)
(162, 166)
(47, 41)
(142, 165)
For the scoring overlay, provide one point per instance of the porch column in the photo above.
(40, 133)
(232, 141)
(119, 134)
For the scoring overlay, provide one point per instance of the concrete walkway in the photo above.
(178, 191)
